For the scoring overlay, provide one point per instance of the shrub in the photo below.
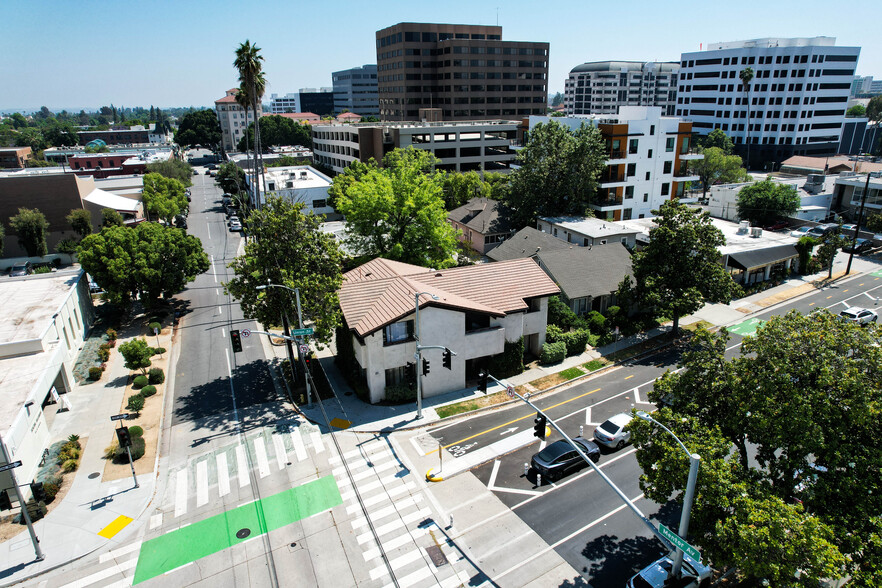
(148, 391)
(138, 448)
(553, 352)
(575, 341)
(154, 326)
(510, 362)
(596, 322)
(136, 403)
(112, 334)
(68, 453)
(103, 354)
(400, 394)
(111, 343)
(74, 441)
(157, 350)
(43, 269)
(139, 382)
(36, 510)
(95, 373)
(51, 489)
(136, 431)
(70, 466)
(103, 367)
(560, 314)
(110, 451)
(104, 346)
(156, 376)
(553, 333)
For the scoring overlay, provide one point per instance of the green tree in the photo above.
(858, 110)
(717, 138)
(173, 169)
(231, 178)
(558, 174)
(398, 211)
(80, 220)
(109, 257)
(557, 100)
(683, 238)
(763, 202)
(874, 108)
(354, 172)
(137, 354)
(199, 128)
(249, 63)
(459, 188)
(717, 167)
(30, 226)
(60, 134)
(277, 130)
(289, 249)
(746, 76)
(830, 244)
(111, 218)
(67, 247)
(163, 198)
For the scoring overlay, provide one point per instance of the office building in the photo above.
(466, 71)
(317, 100)
(233, 119)
(601, 87)
(797, 98)
(355, 90)
(861, 86)
(282, 104)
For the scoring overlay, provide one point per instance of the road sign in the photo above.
(10, 466)
(119, 417)
(679, 542)
(301, 332)
(304, 349)
(245, 333)
(510, 391)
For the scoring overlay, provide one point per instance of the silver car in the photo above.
(655, 575)
(861, 316)
(612, 433)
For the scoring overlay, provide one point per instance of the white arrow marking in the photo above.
(511, 430)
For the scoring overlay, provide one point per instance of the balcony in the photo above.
(612, 180)
(480, 342)
(691, 155)
(616, 156)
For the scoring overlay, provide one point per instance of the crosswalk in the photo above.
(374, 480)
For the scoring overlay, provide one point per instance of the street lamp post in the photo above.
(418, 353)
(288, 340)
(694, 460)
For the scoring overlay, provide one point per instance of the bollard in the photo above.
(526, 469)
(451, 522)
(581, 430)
(538, 480)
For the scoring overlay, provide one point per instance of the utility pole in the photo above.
(858, 228)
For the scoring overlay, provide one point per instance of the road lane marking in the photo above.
(202, 483)
(120, 568)
(395, 543)
(297, 440)
(629, 377)
(213, 271)
(588, 416)
(118, 524)
(394, 525)
(281, 454)
(111, 555)
(242, 466)
(317, 443)
(381, 513)
(181, 493)
(208, 227)
(412, 578)
(398, 562)
(262, 461)
(223, 474)
(378, 498)
(492, 482)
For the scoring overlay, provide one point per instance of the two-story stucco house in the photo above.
(479, 308)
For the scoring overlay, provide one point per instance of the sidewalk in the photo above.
(70, 530)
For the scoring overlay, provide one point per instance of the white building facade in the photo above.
(797, 99)
(233, 119)
(281, 104)
(601, 87)
(296, 183)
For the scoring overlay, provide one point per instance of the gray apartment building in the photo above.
(601, 87)
(355, 90)
(467, 72)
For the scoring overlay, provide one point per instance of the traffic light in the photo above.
(5, 503)
(39, 492)
(482, 381)
(307, 361)
(426, 369)
(236, 340)
(539, 425)
(123, 436)
(409, 372)
(446, 359)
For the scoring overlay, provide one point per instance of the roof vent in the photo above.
(438, 275)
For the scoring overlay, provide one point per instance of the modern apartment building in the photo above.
(647, 161)
(797, 99)
(316, 100)
(355, 90)
(467, 71)
(281, 104)
(601, 87)
(233, 119)
(861, 86)
(461, 146)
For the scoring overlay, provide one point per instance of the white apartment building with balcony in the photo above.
(233, 119)
(647, 162)
(797, 99)
(461, 146)
(601, 87)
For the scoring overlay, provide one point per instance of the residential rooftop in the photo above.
(593, 227)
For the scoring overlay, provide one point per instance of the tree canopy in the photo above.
(111, 218)
(858, 110)
(80, 220)
(199, 128)
(231, 177)
(718, 168)
(802, 488)
(761, 203)
(173, 169)
(459, 188)
(288, 249)
(717, 138)
(164, 198)
(558, 174)
(874, 108)
(137, 354)
(277, 130)
(679, 270)
(30, 226)
(397, 211)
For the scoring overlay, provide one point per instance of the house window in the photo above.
(651, 129)
(626, 215)
(396, 376)
(665, 189)
(669, 144)
(649, 154)
(645, 198)
(319, 203)
(668, 166)
(647, 176)
(629, 192)
(632, 169)
(398, 332)
(603, 241)
(632, 146)
(475, 321)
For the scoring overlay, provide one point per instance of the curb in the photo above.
(431, 478)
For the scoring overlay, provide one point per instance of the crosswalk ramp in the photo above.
(218, 473)
(114, 569)
(385, 502)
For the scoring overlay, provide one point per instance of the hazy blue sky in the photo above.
(86, 53)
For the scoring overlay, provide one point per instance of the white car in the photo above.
(235, 226)
(612, 432)
(693, 574)
(861, 316)
(800, 232)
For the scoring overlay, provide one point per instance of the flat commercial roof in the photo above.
(18, 377)
(30, 303)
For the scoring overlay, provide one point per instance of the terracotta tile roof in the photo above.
(225, 100)
(296, 115)
(835, 164)
(348, 116)
(381, 291)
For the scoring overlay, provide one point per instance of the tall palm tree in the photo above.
(746, 76)
(243, 100)
(249, 62)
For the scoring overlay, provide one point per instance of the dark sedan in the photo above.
(559, 459)
(860, 246)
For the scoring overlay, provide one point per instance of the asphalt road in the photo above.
(580, 516)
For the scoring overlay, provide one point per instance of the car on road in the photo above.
(612, 433)
(800, 232)
(235, 225)
(559, 459)
(861, 316)
(195, 172)
(207, 172)
(860, 246)
(21, 268)
(655, 575)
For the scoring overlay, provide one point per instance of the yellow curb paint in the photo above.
(340, 423)
(115, 527)
(431, 478)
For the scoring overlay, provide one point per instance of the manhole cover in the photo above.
(94, 475)
(242, 533)
(437, 556)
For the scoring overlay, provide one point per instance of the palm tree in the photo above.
(243, 100)
(249, 62)
(746, 76)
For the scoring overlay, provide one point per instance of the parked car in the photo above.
(848, 229)
(235, 226)
(612, 432)
(94, 288)
(822, 230)
(861, 316)
(195, 172)
(559, 459)
(800, 232)
(22, 268)
(655, 575)
(860, 246)
(181, 221)
(207, 172)
(777, 226)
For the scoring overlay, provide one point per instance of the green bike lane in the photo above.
(222, 531)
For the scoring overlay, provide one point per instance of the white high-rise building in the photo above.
(797, 98)
(233, 119)
(286, 103)
(601, 87)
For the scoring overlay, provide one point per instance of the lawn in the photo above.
(595, 364)
(571, 373)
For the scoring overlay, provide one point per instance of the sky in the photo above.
(87, 53)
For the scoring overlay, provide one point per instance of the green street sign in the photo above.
(679, 542)
(302, 332)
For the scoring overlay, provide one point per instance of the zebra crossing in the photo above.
(402, 520)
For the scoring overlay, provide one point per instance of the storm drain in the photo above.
(437, 556)
(242, 533)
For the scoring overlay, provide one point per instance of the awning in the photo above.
(761, 257)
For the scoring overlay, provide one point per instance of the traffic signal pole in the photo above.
(526, 399)
(24, 509)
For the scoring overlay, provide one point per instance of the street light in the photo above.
(418, 354)
(694, 460)
(288, 341)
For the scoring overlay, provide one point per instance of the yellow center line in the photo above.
(846, 290)
(861, 284)
(631, 376)
(514, 421)
(812, 304)
(829, 297)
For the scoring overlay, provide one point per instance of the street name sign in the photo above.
(10, 466)
(119, 417)
(302, 332)
(679, 542)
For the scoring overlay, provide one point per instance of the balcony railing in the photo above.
(616, 154)
(612, 177)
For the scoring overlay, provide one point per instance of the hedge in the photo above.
(575, 341)
(553, 352)
(156, 375)
(510, 362)
(139, 382)
(138, 448)
(148, 391)
(400, 394)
